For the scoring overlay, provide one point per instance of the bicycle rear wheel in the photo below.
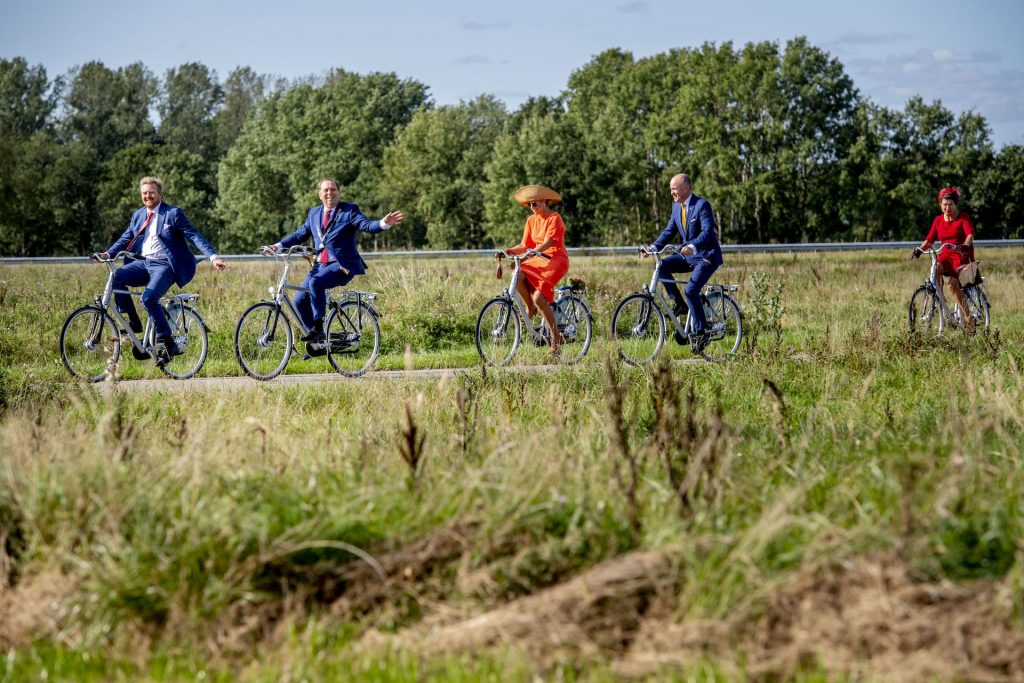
(263, 341)
(192, 339)
(353, 335)
(638, 329)
(724, 326)
(498, 332)
(576, 325)
(977, 306)
(90, 343)
(924, 312)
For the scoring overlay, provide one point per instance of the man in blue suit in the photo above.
(158, 234)
(692, 224)
(333, 226)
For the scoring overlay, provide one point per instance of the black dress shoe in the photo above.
(140, 354)
(680, 310)
(166, 349)
(699, 343)
(315, 337)
(315, 349)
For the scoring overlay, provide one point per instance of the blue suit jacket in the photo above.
(340, 237)
(174, 231)
(698, 231)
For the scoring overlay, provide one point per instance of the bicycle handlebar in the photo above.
(298, 249)
(529, 253)
(110, 259)
(935, 252)
(650, 250)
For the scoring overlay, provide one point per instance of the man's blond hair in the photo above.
(150, 180)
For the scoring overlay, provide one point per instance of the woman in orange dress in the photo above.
(544, 232)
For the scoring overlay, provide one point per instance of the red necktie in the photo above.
(149, 217)
(323, 234)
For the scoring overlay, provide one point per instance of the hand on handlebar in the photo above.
(961, 249)
(917, 252)
(100, 256)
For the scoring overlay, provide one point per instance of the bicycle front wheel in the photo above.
(353, 338)
(263, 341)
(498, 332)
(192, 339)
(925, 313)
(977, 306)
(638, 329)
(724, 326)
(89, 343)
(576, 325)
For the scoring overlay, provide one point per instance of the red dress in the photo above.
(952, 232)
(541, 273)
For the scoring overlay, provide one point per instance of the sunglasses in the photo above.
(533, 204)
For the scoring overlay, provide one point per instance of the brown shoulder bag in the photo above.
(969, 274)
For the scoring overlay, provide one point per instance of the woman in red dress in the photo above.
(952, 227)
(544, 232)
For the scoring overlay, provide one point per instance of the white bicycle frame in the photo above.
(954, 316)
(285, 303)
(658, 293)
(512, 293)
(147, 341)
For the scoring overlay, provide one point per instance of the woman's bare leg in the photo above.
(961, 300)
(527, 292)
(549, 318)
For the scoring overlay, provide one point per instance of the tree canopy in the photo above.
(776, 136)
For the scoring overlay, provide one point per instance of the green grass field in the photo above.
(845, 502)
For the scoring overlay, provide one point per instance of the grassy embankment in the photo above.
(354, 528)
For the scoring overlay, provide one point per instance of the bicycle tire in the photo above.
(576, 325)
(495, 341)
(193, 340)
(354, 338)
(978, 306)
(924, 313)
(260, 347)
(638, 329)
(724, 326)
(90, 344)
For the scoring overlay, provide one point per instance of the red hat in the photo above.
(951, 192)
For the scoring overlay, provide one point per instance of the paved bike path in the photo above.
(221, 383)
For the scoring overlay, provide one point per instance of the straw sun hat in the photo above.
(532, 193)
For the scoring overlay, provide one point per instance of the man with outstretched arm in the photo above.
(691, 223)
(333, 226)
(158, 235)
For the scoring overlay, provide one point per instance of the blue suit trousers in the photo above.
(311, 305)
(701, 274)
(158, 276)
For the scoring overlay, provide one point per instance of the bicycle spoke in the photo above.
(263, 341)
(497, 332)
(353, 338)
(638, 329)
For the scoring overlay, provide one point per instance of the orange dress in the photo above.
(541, 273)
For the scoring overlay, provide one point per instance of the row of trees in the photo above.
(780, 140)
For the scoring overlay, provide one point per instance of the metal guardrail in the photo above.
(580, 251)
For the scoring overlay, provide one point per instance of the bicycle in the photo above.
(91, 338)
(928, 306)
(638, 324)
(264, 340)
(499, 327)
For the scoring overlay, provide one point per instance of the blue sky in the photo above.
(968, 55)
